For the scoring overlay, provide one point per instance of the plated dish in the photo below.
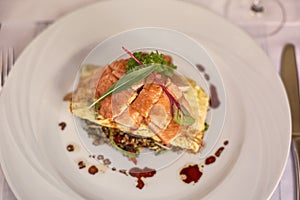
(250, 133)
(137, 106)
(145, 100)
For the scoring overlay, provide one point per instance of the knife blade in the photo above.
(289, 75)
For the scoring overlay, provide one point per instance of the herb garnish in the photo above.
(182, 116)
(127, 81)
(137, 58)
(206, 126)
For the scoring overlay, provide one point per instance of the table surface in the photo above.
(23, 16)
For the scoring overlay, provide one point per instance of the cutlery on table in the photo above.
(6, 63)
(289, 76)
(7, 58)
(7, 54)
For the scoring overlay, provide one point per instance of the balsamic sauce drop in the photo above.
(214, 101)
(214, 98)
(93, 170)
(139, 173)
(81, 165)
(219, 151)
(191, 173)
(209, 160)
(70, 147)
(62, 125)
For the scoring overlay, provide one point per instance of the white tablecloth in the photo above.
(19, 19)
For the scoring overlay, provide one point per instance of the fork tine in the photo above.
(6, 63)
(1, 68)
(10, 58)
(4, 66)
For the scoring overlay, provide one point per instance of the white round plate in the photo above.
(33, 148)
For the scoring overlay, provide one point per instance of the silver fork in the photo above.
(6, 63)
(7, 53)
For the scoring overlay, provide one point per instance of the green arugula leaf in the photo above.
(182, 116)
(206, 126)
(125, 153)
(127, 81)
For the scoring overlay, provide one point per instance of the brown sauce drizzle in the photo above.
(70, 147)
(141, 173)
(93, 170)
(219, 151)
(206, 76)
(62, 125)
(209, 160)
(123, 171)
(200, 68)
(81, 165)
(106, 161)
(214, 98)
(214, 101)
(100, 157)
(191, 173)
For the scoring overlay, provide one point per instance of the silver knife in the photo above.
(289, 77)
